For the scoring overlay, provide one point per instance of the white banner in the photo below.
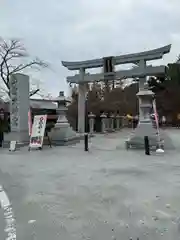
(155, 114)
(157, 121)
(38, 129)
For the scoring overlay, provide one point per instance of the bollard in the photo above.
(146, 145)
(1, 139)
(86, 142)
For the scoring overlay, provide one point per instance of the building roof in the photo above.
(42, 104)
(34, 103)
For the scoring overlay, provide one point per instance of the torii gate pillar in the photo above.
(81, 103)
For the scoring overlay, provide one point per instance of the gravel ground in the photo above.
(107, 193)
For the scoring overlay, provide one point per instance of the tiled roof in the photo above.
(34, 103)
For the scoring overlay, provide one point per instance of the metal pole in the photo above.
(86, 148)
(146, 145)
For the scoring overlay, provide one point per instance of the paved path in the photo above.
(108, 193)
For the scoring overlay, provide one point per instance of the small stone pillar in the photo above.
(118, 121)
(108, 123)
(103, 122)
(112, 123)
(124, 121)
(91, 117)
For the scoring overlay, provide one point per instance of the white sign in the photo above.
(38, 129)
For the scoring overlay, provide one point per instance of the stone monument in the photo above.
(19, 107)
(142, 71)
(62, 133)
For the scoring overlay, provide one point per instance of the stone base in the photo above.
(167, 141)
(22, 139)
(136, 140)
(63, 135)
(91, 134)
(110, 130)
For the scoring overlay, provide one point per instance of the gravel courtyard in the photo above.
(107, 193)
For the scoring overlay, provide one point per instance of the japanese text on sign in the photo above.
(38, 129)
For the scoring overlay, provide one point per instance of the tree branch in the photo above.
(33, 92)
(11, 51)
(34, 63)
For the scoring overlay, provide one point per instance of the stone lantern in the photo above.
(145, 105)
(62, 131)
(91, 117)
(145, 127)
(103, 122)
(118, 121)
(111, 127)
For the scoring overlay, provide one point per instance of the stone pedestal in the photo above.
(19, 107)
(91, 117)
(118, 121)
(103, 122)
(145, 126)
(62, 133)
(124, 121)
(107, 124)
(111, 123)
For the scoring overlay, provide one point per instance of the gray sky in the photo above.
(83, 29)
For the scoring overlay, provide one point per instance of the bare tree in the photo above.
(11, 54)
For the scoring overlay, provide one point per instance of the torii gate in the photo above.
(141, 71)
